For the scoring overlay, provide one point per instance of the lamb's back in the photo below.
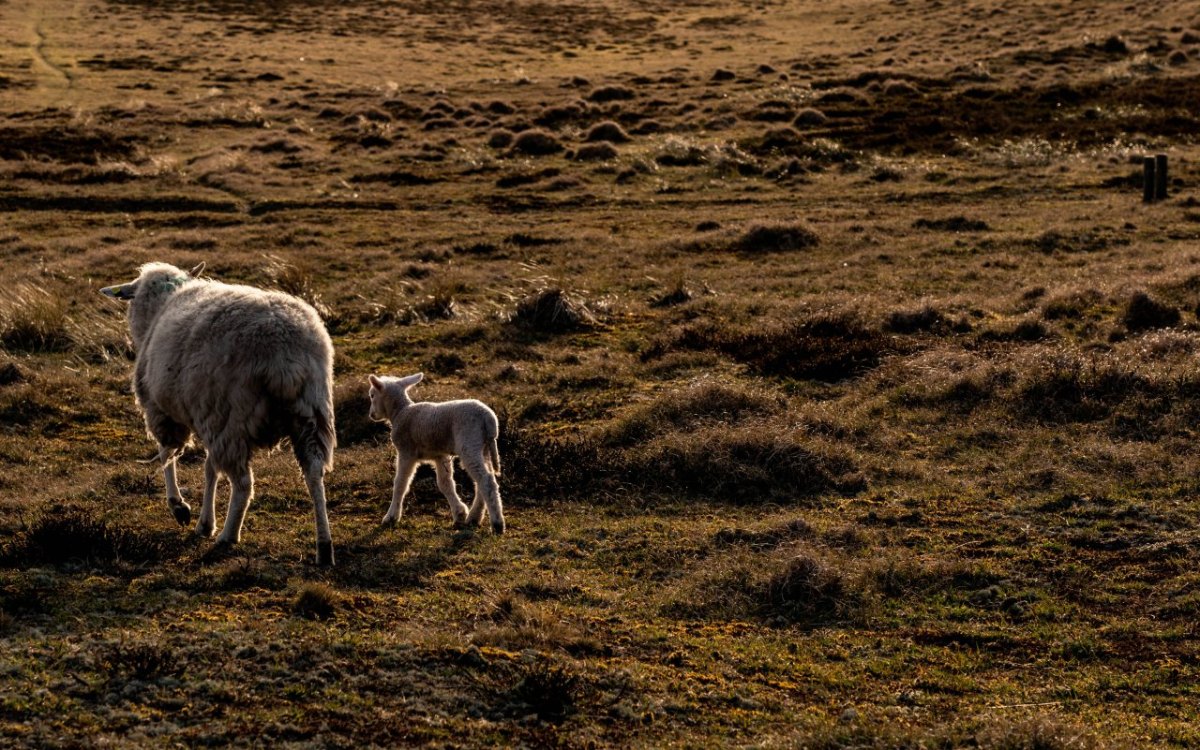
(431, 429)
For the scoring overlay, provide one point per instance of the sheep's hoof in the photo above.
(325, 554)
(182, 513)
(498, 527)
(388, 522)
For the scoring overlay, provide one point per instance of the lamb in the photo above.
(239, 367)
(436, 433)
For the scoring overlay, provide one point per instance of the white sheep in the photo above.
(427, 432)
(239, 367)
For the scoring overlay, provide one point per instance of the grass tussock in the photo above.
(536, 143)
(1143, 312)
(516, 624)
(33, 319)
(549, 690)
(752, 462)
(297, 279)
(985, 733)
(125, 660)
(75, 535)
(745, 464)
(776, 237)
(553, 311)
(351, 406)
(707, 403)
(679, 293)
(770, 537)
(79, 145)
(607, 131)
(1085, 241)
(12, 373)
(1144, 388)
(316, 601)
(952, 224)
(1064, 386)
(923, 319)
(827, 346)
(789, 575)
(613, 93)
(795, 587)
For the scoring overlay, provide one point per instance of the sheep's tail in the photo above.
(315, 438)
(493, 449)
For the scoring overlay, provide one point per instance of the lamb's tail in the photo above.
(492, 448)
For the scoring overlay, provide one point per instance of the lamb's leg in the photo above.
(445, 482)
(239, 503)
(405, 467)
(314, 477)
(487, 490)
(206, 525)
(181, 510)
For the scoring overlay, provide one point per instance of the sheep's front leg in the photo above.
(405, 467)
(206, 525)
(181, 510)
(445, 482)
(239, 503)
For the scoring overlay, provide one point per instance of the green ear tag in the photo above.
(172, 284)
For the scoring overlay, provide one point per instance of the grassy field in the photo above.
(848, 389)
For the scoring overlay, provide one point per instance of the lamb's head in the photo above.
(389, 394)
(155, 284)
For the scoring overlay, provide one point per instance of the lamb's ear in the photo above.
(195, 272)
(412, 380)
(375, 382)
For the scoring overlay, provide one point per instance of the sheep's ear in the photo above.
(413, 379)
(375, 382)
(195, 272)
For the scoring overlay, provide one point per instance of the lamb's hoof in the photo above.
(205, 532)
(388, 522)
(325, 554)
(498, 527)
(182, 513)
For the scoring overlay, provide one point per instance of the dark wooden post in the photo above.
(1160, 177)
(1148, 179)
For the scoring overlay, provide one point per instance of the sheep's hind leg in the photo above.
(239, 503)
(487, 490)
(405, 467)
(315, 479)
(181, 510)
(206, 525)
(171, 436)
(445, 482)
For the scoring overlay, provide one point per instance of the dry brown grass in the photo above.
(837, 387)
